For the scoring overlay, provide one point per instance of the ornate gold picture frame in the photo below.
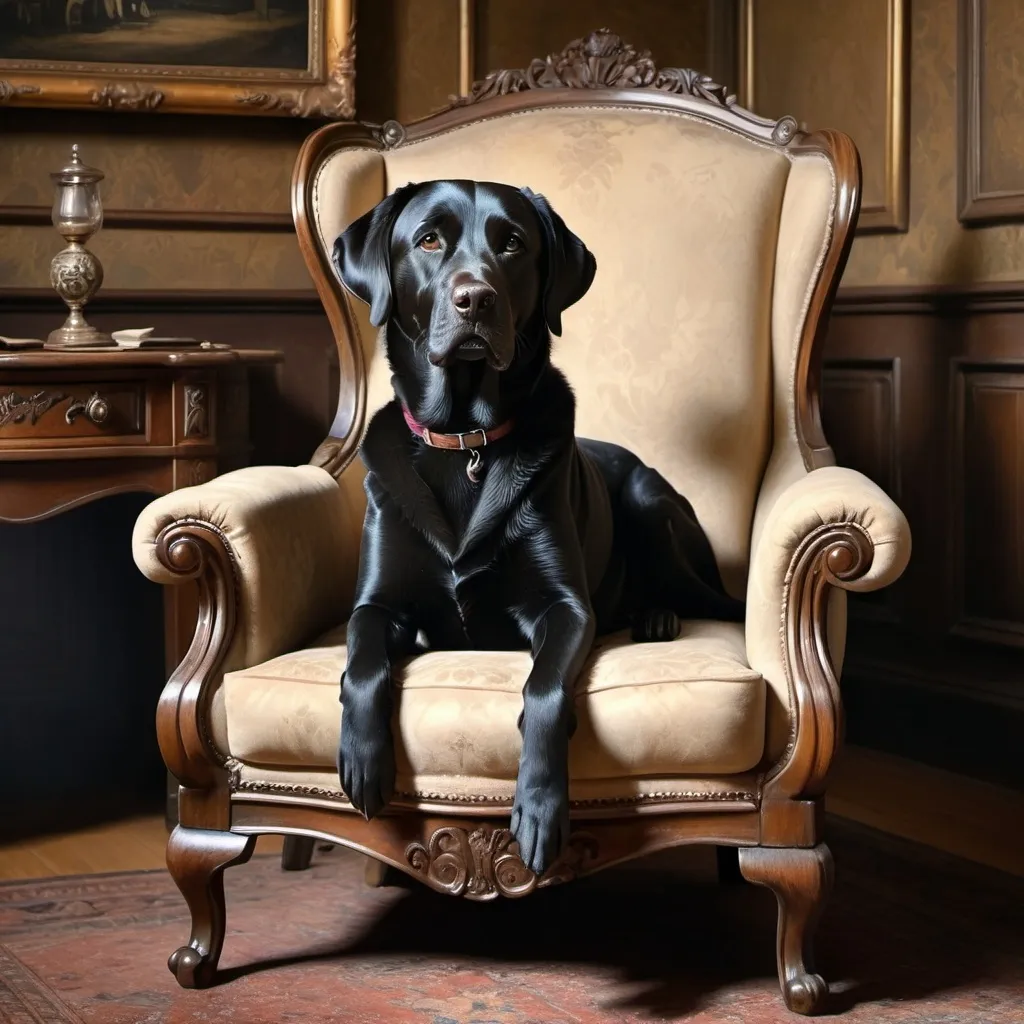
(280, 57)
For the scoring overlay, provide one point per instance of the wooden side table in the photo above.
(77, 426)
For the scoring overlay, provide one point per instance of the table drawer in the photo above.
(92, 411)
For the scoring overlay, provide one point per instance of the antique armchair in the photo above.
(720, 238)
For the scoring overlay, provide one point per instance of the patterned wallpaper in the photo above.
(408, 63)
(217, 164)
(838, 43)
(407, 57)
(189, 165)
(510, 35)
(161, 260)
(1002, 112)
(937, 249)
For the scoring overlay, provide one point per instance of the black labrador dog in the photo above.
(488, 524)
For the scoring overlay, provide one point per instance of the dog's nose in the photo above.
(471, 298)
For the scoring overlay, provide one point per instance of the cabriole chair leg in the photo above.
(197, 859)
(801, 880)
(377, 874)
(297, 853)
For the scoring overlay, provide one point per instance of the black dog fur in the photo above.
(562, 540)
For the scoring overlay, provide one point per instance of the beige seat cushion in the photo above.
(691, 707)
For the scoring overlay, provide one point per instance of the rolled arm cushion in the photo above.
(832, 495)
(293, 537)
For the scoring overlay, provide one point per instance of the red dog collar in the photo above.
(470, 439)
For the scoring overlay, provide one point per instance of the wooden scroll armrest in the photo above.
(273, 550)
(832, 528)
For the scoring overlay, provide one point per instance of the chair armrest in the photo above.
(274, 552)
(287, 537)
(831, 528)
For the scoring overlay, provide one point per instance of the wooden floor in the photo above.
(134, 844)
(971, 819)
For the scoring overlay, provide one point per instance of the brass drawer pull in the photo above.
(95, 408)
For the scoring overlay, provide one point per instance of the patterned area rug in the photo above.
(909, 936)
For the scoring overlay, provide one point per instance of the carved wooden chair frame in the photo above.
(466, 849)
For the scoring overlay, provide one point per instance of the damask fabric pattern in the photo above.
(645, 710)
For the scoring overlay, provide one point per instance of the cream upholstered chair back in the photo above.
(718, 237)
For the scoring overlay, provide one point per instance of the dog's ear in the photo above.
(570, 264)
(362, 254)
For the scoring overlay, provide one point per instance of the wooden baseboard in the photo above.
(966, 817)
(928, 720)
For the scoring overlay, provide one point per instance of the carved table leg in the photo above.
(297, 853)
(196, 859)
(801, 880)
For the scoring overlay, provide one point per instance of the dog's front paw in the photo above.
(540, 822)
(366, 760)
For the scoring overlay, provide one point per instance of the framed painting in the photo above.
(284, 57)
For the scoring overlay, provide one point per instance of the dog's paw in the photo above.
(657, 626)
(366, 763)
(540, 824)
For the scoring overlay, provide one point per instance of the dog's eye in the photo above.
(430, 242)
(514, 244)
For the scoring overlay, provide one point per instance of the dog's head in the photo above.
(464, 267)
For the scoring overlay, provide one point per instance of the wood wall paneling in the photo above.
(987, 520)
(990, 137)
(923, 391)
(838, 65)
(861, 397)
(860, 406)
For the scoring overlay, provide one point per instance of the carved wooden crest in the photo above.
(483, 864)
(603, 60)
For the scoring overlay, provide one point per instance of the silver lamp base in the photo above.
(78, 336)
(76, 274)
